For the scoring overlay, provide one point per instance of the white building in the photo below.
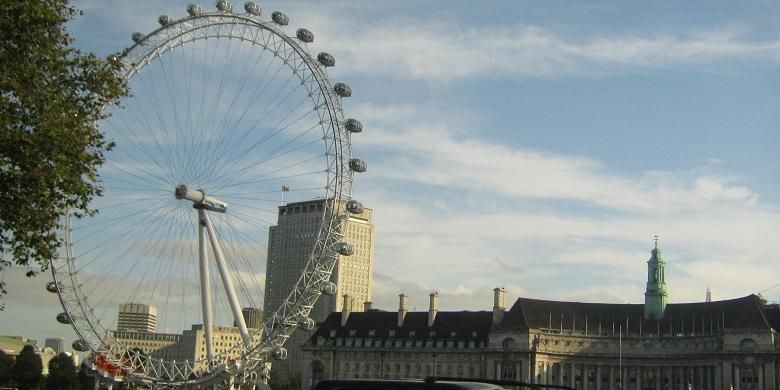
(137, 317)
(289, 245)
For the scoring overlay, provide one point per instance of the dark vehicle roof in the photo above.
(370, 384)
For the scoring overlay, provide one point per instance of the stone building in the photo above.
(137, 317)
(589, 346)
(289, 245)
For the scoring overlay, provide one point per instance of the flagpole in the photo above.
(284, 189)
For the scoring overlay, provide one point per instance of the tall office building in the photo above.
(136, 317)
(55, 343)
(252, 317)
(289, 245)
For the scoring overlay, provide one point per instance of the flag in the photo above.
(285, 188)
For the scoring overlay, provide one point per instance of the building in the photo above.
(12, 345)
(589, 346)
(252, 317)
(55, 343)
(393, 345)
(289, 245)
(136, 317)
(157, 345)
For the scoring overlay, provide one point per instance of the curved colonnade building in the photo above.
(589, 346)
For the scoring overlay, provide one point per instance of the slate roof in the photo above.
(772, 313)
(469, 325)
(679, 318)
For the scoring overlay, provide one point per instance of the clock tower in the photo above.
(655, 293)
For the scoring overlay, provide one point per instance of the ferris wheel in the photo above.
(228, 118)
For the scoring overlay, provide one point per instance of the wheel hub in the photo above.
(199, 199)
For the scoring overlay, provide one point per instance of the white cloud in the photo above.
(436, 50)
(455, 213)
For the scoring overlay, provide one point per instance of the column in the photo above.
(598, 377)
(571, 374)
(559, 373)
(549, 370)
(771, 374)
(717, 376)
(639, 378)
(658, 378)
(519, 374)
(625, 379)
(700, 377)
(737, 378)
(611, 370)
(761, 377)
(498, 370)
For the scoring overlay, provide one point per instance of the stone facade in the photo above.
(588, 346)
(190, 345)
(136, 317)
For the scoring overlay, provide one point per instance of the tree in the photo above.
(63, 374)
(28, 370)
(6, 368)
(51, 96)
(286, 380)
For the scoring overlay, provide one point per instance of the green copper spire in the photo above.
(655, 293)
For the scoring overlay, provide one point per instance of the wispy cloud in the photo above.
(479, 214)
(447, 51)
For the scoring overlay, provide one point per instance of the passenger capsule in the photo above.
(306, 323)
(354, 207)
(328, 288)
(326, 59)
(357, 165)
(345, 249)
(305, 35)
(137, 37)
(279, 353)
(353, 125)
(224, 6)
(280, 18)
(194, 10)
(342, 90)
(165, 20)
(52, 287)
(63, 318)
(80, 345)
(252, 8)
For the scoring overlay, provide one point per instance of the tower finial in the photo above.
(655, 238)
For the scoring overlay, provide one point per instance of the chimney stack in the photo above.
(498, 305)
(346, 308)
(367, 306)
(403, 307)
(434, 308)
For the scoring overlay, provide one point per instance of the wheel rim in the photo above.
(295, 148)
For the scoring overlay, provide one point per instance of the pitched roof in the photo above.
(448, 324)
(679, 318)
(772, 313)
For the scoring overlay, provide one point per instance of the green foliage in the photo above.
(6, 368)
(86, 381)
(62, 374)
(286, 381)
(51, 96)
(28, 369)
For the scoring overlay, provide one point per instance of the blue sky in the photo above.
(540, 145)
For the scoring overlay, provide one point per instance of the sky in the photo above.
(536, 145)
